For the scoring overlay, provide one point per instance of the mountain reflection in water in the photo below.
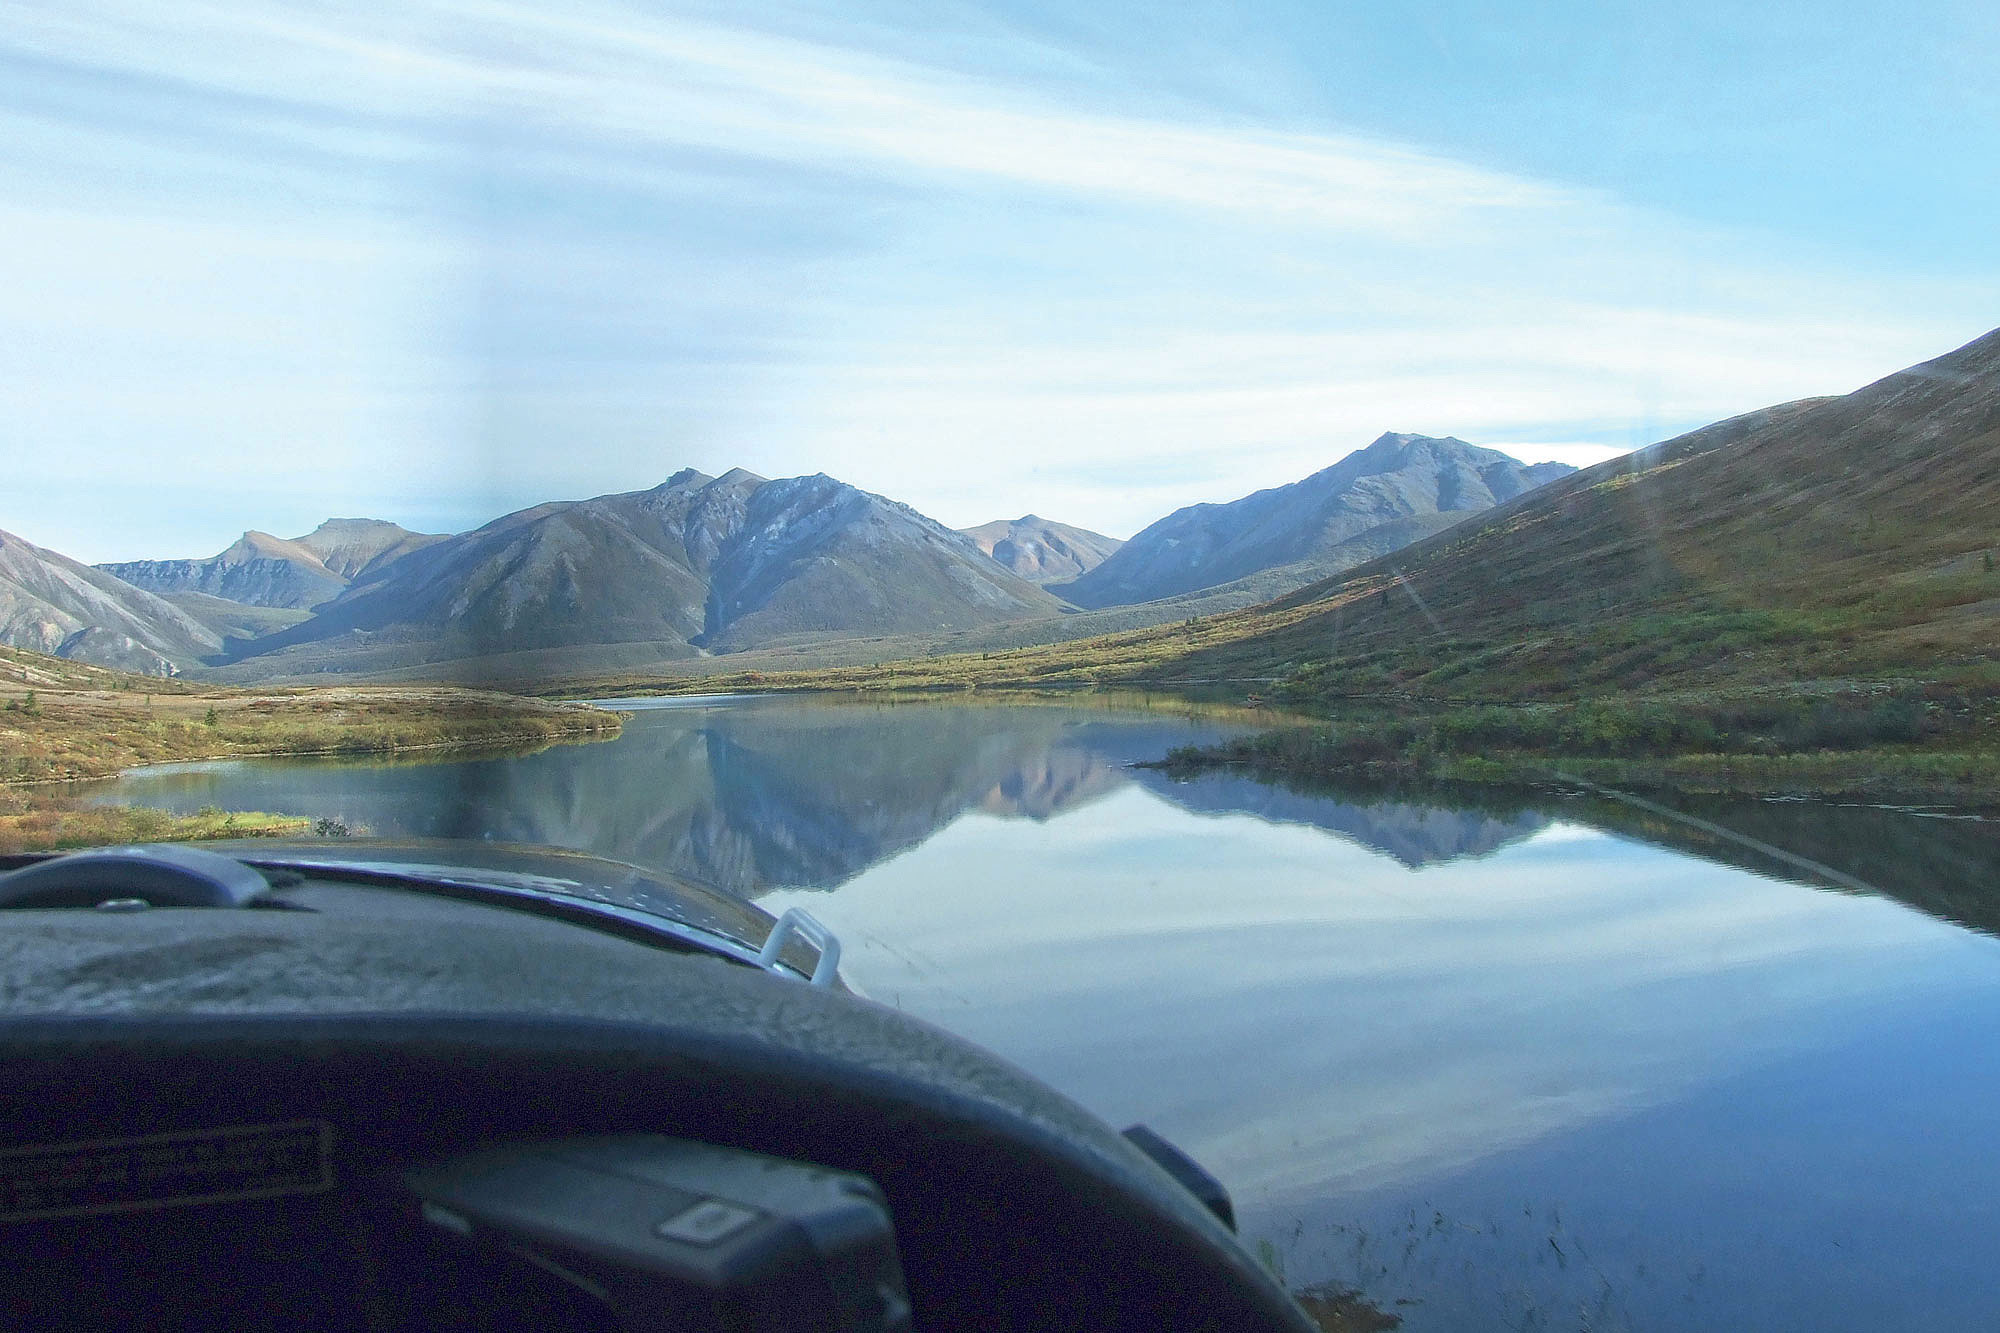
(760, 792)
(1404, 829)
(1540, 1059)
(753, 794)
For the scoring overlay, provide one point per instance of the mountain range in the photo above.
(1829, 538)
(52, 604)
(300, 573)
(1397, 490)
(703, 565)
(1042, 551)
(698, 563)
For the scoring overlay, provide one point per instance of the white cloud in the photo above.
(554, 252)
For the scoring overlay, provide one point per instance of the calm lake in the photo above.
(1559, 1062)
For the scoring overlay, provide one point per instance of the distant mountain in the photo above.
(1829, 538)
(720, 563)
(1400, 489)
(52, 604)
(261, 570)
(354, 548)
(1042, 551)
(235, 620)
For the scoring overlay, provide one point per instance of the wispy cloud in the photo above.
(552, 252)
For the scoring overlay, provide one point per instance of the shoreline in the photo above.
(1892, 781)
(65, 735)
(56, 739)
(496, 742)
(1907, 741)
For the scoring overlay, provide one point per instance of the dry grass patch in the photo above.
(41, 822)
(50, 734)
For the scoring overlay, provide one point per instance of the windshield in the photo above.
(1406, 595)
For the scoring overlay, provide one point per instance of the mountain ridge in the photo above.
(1422, 482)
(296, 573)
(1041, 550)
(715, 563)
(701, 565)
(1843, 534)
(52, 604)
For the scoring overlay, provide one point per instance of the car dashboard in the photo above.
(299, 1080)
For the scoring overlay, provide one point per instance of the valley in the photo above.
(1798, 600)
(699, 568)
(1801, 599)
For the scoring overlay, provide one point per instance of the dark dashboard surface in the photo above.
(403, 1029)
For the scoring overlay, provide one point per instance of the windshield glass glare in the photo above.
(1404, 595)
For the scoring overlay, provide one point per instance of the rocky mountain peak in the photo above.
(685, 479)
(1399, 488)
(52, 604)
(1042, 551)
(255, 545)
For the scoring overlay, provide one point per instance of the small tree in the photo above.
(210, 719)
(28, 704)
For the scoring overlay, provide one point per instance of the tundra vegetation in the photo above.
(61, 721)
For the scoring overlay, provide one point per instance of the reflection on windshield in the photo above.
(1431, 1038)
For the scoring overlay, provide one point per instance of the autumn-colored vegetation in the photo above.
(37, 820)
(61, 721)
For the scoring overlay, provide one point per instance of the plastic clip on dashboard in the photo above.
(797, 921)
(1192, 1176)
(683, 1236)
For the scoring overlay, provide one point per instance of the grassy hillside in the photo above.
(235, 620)
(1850, 538)
(1802, 598)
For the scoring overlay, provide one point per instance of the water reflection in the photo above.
(1414, 832)
(753, 793)
(745, 795)
(1547, 1059)
(1508, 1089)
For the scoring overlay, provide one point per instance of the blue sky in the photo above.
(430, 262)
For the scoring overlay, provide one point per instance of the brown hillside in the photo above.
(1842, 534)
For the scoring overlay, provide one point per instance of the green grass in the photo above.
(1931, 743)
(1130, 659)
